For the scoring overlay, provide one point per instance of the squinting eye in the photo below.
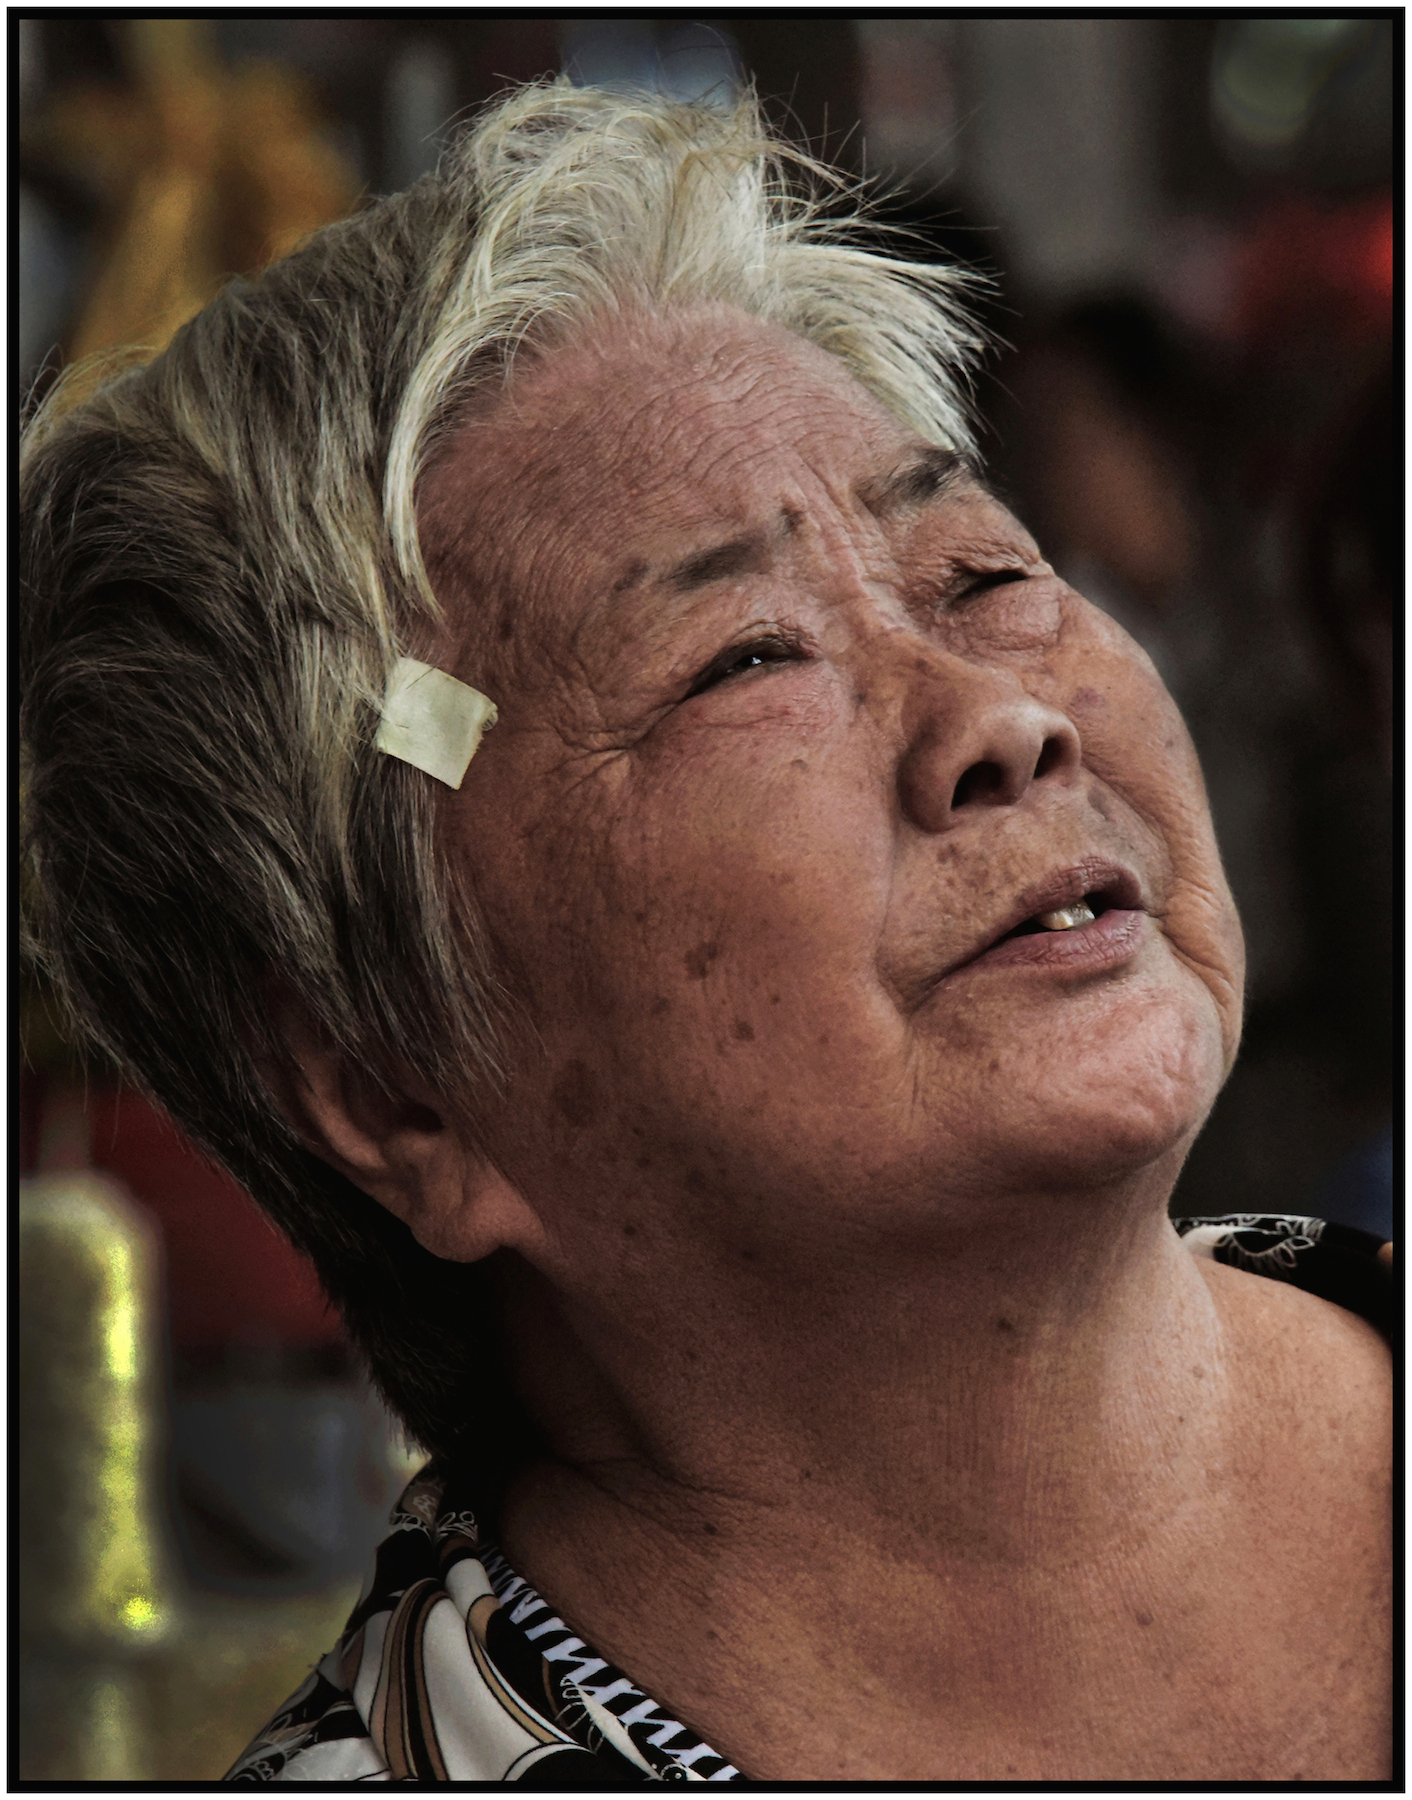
(993, 578)
(741, 659)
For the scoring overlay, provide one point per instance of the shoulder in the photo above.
(1308, 1471)
(1296, 1260)
(1305, 1307)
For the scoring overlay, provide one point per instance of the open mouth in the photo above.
(1062, 918)
(1080, 920)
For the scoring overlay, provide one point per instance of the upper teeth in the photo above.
(1067, 917)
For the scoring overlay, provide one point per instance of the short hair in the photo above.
(218, 565)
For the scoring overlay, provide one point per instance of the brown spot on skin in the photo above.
(823, 1038)
(661, 1005)
(744, 1031)
(774, 999)
(507, 627)
(639, 918)
(1098, 801)
(630, 577)
(861, 697)
(629, 1229)
(1199, 1372)
(798, 762)
(573, 1095)
(1004, 1325)
(710, 1530)
(1087, 699)
(1143, 1618)
(792, 517)
(698, 961)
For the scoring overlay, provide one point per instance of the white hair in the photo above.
(219, 564)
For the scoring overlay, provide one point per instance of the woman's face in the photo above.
(796, 728)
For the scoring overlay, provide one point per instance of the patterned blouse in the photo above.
(452, 1668)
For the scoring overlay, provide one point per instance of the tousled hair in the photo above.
(218, 563)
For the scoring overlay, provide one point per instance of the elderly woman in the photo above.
(735, 1103)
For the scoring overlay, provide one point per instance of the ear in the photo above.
(403, 1149)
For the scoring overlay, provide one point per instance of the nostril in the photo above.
(1050, 756)
(982, 783)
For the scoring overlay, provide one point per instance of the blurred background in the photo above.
(1194, 400)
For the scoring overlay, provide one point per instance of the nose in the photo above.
(978, 741)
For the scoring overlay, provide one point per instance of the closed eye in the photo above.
(741, 659)
(992, 578)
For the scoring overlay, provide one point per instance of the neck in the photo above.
(1013, 1393)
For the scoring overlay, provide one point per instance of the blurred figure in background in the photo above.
(1346, 520)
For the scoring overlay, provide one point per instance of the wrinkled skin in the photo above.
(890, 1432)
(734, 907)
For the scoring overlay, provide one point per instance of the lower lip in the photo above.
(1109, 941)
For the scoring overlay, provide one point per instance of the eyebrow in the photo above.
(924, 477)
(748, 554)
(744, 555)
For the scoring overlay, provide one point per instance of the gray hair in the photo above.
(219, 564)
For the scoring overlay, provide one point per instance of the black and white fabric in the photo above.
(452, 1668)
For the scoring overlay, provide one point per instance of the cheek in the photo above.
(760, 836)
(1135, 740)
(1133, 735)
(1130, 1074)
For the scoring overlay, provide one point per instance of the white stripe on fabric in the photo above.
(341, 1759)
(479, 1739)
(370, 1669)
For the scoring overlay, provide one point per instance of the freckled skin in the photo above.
(846, 1297)
(795, 824)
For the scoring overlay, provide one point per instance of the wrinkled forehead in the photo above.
(641, 430)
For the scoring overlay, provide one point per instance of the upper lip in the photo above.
(1117, 886)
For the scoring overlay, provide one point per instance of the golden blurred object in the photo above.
(210, 172)
(124, 1673)
(91, 1564)
(94, 1580)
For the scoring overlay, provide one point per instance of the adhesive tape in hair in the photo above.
(433, 721)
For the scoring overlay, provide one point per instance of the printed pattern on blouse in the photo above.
(452, 1668)
(1336, 1262)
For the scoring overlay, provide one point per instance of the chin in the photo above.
(1113, 1110)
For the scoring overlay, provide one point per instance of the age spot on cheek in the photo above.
(698, 962)
(574, 1095)
(743, 1031)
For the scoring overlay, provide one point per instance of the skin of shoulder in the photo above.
(1305, 1352)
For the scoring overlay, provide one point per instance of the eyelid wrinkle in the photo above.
(964, 582)
(790, 643)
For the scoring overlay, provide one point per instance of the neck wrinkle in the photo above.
(979, 1411)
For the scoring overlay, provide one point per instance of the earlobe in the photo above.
(402, 1151)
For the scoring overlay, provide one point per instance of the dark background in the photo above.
(1194, 399)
